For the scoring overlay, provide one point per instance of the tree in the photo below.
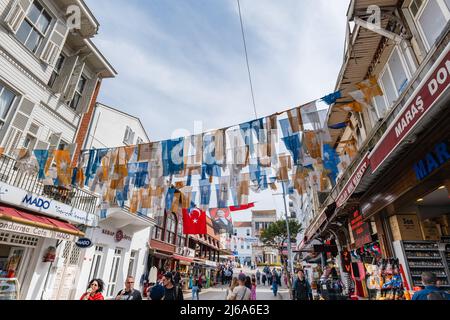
(276, 235)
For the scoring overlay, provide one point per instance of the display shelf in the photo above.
(431, 249)
(426, 267)
(424, 258)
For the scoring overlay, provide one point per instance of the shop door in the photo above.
(64, 286)
(115, 268)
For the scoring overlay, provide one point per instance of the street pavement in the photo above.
(263, 293)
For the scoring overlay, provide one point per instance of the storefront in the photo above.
(411, 211)
(184, 259)
(28, 250)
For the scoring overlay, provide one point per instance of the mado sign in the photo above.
(84, 243)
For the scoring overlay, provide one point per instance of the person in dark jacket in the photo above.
(431, 291)
(302, 289)
(171, 291)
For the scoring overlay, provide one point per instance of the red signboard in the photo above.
(360, 229)
(432, 87)
(353, 182)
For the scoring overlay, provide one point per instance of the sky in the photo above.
(182, 62)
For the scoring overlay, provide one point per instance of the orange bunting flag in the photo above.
(63, 167)
(370, 88)
(312, 144)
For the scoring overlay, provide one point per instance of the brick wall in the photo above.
(84, 126)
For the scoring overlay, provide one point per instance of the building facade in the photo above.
(242, 242)
(50, 76)
(261, 220)
(391, 198)
(120, 241)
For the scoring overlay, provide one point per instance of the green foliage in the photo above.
(276, 234)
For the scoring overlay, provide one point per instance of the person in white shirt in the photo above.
(241, 292)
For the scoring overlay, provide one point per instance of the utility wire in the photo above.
(246, 59)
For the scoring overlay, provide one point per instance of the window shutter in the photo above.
(127, 135)
(55, 43)
(71, 147)
(54, 139)
(70, 92)
(86, 99)
(131, 137)
(42, 145)
(63, 80)
(16, 14)
(12, 141)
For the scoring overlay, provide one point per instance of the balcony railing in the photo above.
(76, 198)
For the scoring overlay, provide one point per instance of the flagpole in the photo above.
(290, 264)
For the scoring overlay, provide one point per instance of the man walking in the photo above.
(171, 292)
(431, 291)
(258, 277)
(302, 289)
(129, 293)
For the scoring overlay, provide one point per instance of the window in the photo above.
(139, 140)
(114, 272)
(242, 246)
(130, 271)
(171, 226)
(96, 263)
(57, 70)
(6, 101)
(29, 142)
(129, 136)
(34, 27)
(431, 18)
(78, 93)
(248, 247)
(248, 232)
(393, 81)
(235, 232)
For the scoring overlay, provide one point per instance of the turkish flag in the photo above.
(194, 221)
(242, 207)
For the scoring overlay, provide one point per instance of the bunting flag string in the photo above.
(233, 160)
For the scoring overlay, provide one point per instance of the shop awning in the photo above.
(29, 219)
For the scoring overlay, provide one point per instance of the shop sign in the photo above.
(429, 91)
(324, 248)
(432, 161)
(34, 231)
(185, 252)
(23, 199)
(346, 261)
(84, 243)
(360, 229)
(118, 236)
(353, 182)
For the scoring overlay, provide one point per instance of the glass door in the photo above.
(114, 272)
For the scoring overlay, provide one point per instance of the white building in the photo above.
(121, 239)
(113, 128)
(242, 243)
(50, 76)
(261, 220)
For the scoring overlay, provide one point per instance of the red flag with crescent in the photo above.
(194, 221)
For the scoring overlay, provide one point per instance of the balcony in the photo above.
(122, 218)
(12, 175)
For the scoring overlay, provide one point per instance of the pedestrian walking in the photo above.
(171, 292)
(274, 284)
(129, 293)
(195, 289)
(156, 291)
(253, 290)
(258, 277)
(234, 283)
(248, 282)
(264, 279)
(200, 282)
(177, 278)
(431, 291)
(241, 292)
(302, 288)
(94, 291)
